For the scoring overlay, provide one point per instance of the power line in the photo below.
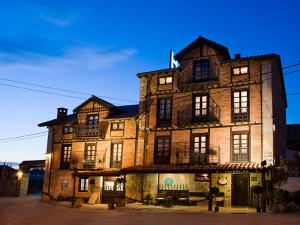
(22, 136)
(21, 139)
(65, 90)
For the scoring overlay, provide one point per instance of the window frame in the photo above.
(164, 121)
(163, 159)
(118, 162)
(240, 70)
(201, 158)
(240, 157)
(165, 80)
(201, 71)
(88, 156)
(240, 116)
(64, 185)
(118, 126)
(85, 187)
(200, 116)
(92, 125)
(64, 131)
(65, 159)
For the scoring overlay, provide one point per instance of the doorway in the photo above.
(240, 189)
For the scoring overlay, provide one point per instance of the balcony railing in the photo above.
(186, 81)
(186, 155)
(187, 117)
(90, 131)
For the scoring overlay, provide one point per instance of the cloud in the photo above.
(59, 21)
(86, 58)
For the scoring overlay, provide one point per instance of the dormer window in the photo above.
(201, 70)
(165, 80)
(240, 70)
(93, 121)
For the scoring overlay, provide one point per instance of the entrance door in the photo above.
(112, 189)
(240, 189)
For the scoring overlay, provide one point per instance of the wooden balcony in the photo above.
(185, 155)
(186, 117)
(88, 131)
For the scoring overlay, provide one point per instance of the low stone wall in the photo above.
(9, 187)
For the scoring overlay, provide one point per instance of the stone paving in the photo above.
(28, 210)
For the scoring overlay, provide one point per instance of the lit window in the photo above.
(90, 154)
(67, 130)
(165, 80)
(201, 106)
(199, 149)
(116, 155)
(240, 70)
(93, 121)
(240, 147)
(65, 156)
(117, 126)
(240, 105)
(83, 184)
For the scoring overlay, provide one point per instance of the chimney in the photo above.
(237, 56)
(61, 113)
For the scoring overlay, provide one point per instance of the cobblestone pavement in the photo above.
(23, 211)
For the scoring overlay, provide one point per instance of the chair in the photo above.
(161, 198)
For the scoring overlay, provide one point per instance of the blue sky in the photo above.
(98, 47)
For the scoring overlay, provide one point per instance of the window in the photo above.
(68, 130)
(116, 155)
(93, 121)
(165, 80)
(65, 156)
(83, 184)
(240, 106)
(163, 150)
(164, 110)
(199, 152)
(64, 185)
(200, 106)
(240, 147)
(240, 70)
(201, 70)
(90, 155)
(117, 126)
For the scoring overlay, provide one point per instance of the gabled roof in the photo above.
(201, 40)
(32, 164)
(94, 98)
(124, 111)
(68, 119)
(158, 71)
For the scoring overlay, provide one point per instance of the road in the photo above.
(31, 211)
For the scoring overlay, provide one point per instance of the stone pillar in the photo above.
(24, 180)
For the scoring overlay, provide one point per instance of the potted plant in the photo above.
(147, 199)
(169, 202)
(258, 191)
(214, 191)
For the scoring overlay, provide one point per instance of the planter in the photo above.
(77, 203)
(217, 209)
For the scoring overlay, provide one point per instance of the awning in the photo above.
(227, 167)
(99, 172)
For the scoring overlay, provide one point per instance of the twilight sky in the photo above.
(98, 47)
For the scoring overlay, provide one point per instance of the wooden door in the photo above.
(240, 189)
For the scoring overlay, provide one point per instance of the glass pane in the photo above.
(244, 93)
(121, 126)
(162, 80)
(169, 80)
(244, 69)
(236, 94)
(236, 71)
(196, 139)
(204, 98)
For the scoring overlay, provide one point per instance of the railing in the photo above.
(187, 82)
(80, 162)
(187, 117)
(86, 130)
(240, 157)
(186, 155)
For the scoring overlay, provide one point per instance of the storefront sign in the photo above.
(201, 177)
(222, 181)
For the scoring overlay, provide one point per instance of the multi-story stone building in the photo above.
(213, 121)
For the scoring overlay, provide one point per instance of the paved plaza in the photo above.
(30, 210)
